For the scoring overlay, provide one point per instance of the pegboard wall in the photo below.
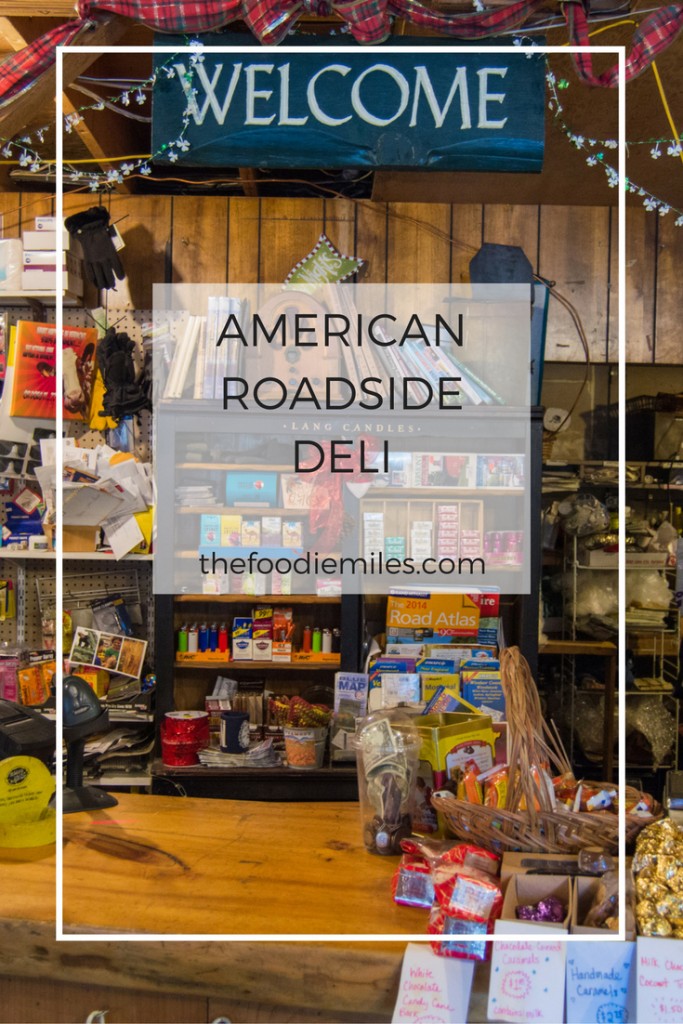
(34, 579)
(27, 627)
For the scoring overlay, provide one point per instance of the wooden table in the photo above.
(168, 865)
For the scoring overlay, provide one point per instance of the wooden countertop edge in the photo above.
(340, 976)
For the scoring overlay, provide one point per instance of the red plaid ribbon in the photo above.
(368, 20)
(654, 34)
(269, 20)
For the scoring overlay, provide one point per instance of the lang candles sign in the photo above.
(440, 111)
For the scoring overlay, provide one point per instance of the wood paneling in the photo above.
(574, 252)
(641, 267)
(513, 225)
(372, 219)
(10, 210)
(144, 223)
(340, 224)
(244, 240)
(289, 230)
(35, 205)
(200, 239)
(466, 238)
(418, 242)
(23, 1000)
(668, 346)
(262, 1013)
(251, 239)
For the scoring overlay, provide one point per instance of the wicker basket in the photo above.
(538, 828)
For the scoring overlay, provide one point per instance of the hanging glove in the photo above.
(101, 259)
(125, 395)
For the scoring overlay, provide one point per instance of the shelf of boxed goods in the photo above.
(332, 782)
(197, 420)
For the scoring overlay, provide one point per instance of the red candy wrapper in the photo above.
(472, 894)
(470, 856)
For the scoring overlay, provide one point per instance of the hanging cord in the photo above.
(578, 324)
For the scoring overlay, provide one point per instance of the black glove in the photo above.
(124, 394)
(101, 259)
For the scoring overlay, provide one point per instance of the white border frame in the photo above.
(61, 935)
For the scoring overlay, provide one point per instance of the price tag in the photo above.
(527, 978)
(601, 982)
(432, 988)
(659, 968)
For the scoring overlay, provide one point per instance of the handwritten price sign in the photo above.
(527, 980)
(659, 965)
(601, 982)
(432, 989)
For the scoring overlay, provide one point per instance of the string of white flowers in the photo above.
(595, 148)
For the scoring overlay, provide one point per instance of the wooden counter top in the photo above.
(167, 865)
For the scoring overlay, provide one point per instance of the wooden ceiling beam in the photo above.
(41, 96)
(17, 41)
(63, 9)
(10, 35)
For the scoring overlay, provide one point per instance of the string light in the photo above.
(30, 159)
(596, 155)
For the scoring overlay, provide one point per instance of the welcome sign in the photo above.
(437, 110)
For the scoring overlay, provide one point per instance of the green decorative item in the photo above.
(323, 265)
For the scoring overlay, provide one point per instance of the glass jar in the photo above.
(387, 749)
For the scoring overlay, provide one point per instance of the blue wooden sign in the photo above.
(440, 111)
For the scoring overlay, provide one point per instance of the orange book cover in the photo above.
(78, 353)
(33, 390)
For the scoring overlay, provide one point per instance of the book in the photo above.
(351, 693)
(182, 358)
(292, 533)
(251, 533)
(271, 531)
(210, 530)
(34, 387)
(231, 531)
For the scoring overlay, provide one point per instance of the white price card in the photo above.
(432, 988)
(527, 978)
(659, 967)
(601, 982)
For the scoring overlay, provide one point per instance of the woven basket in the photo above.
(538, 828)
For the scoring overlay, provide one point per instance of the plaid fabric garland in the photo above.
(657, 31)
(369, 22)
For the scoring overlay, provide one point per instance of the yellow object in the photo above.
(67, 631)
(145, 521)
(26, 787)
(12, 345)
(34, 683)
(430, 681)
(98, 422)
(96, 678)
(450, 741)
(442, 615)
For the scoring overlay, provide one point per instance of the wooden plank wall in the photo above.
(246, 239)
